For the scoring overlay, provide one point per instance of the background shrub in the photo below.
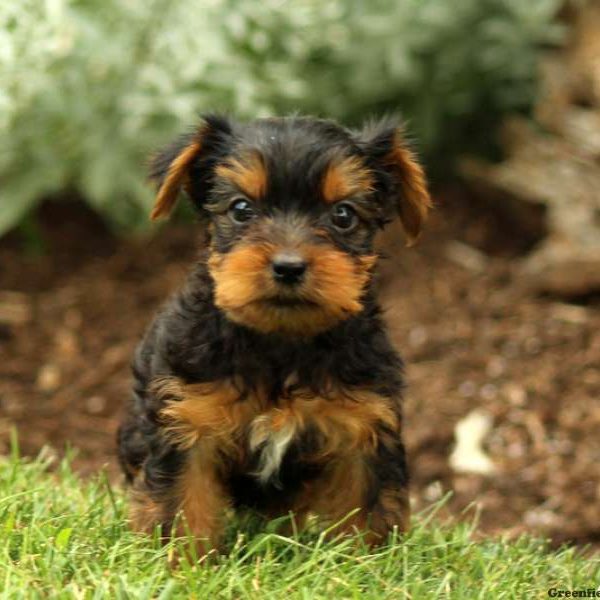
(89, 87)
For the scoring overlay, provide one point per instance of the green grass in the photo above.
(62, 537)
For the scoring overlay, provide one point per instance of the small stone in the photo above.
(516, 394)
(515, 450)
(433, 492)
(570, 314)
(417, 336)
(48, 378)
(15, 308)
(540, 518)
(591, 376)
(466, 256)
(496, 366)
(469, 455)
(95, 404)
(66, 343)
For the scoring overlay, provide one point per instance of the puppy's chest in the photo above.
(259, 432)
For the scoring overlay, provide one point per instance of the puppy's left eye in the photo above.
(241, 210)
(344, 217)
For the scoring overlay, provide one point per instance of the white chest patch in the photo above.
(271, 443)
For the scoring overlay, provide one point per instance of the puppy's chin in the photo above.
(294, 319)
(331, 292)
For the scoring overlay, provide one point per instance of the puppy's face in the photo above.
(292, 206)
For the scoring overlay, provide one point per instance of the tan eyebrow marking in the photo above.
(248, 173)
(344, 178)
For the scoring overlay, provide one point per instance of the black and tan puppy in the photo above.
(269, 381)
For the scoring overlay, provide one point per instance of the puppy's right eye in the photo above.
(343, 216)
(241, 211)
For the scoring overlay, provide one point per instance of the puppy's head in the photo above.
(292, 206)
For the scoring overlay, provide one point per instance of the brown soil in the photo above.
(472, 337)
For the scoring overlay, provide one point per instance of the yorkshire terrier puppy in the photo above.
(269, 382)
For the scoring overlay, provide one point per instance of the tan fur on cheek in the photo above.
(333, 288)
(241, 275)
(336, 281)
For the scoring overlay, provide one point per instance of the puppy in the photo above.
(269, 381)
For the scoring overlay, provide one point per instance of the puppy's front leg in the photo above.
(365, 492)
(193, 504)
(387, 497)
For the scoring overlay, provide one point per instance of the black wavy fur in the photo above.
(194, 340)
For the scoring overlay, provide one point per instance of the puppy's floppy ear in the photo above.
(172, 167)
(385, 144)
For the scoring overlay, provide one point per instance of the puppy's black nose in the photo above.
(288, 268)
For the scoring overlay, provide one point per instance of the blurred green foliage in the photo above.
(89, 87)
